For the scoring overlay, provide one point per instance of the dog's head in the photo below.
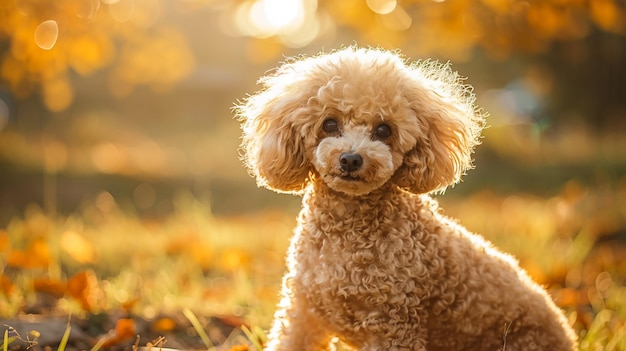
(357, 119)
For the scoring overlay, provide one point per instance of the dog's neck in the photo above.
(337, 204)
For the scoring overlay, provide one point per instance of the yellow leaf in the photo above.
(5, 244)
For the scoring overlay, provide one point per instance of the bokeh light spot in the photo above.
(87, 9)
(146, 12)
(108, 158)
(265, 18)
(397, 20)
(77, 247)
(58, 93)
(46, 34)
(122, 10)
(382, 7)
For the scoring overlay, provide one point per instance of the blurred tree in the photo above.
(579, 45)
(43, 43)
(451, 28)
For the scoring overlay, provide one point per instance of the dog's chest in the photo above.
(359, 276)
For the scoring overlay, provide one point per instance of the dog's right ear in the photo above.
(272, 143)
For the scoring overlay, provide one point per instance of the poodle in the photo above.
(365, 137)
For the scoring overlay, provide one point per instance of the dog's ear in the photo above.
(272, 142)
(450, 128)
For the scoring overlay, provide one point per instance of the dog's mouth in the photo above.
(348, 177)
(351, 183)
(344, 177)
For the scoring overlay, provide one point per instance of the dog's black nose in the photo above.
(350, 162)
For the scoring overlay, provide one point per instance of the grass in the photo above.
(64, 339)
(199, 329)
(106, 267)
(5, 341)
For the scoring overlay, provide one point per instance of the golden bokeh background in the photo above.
(135, 95)
(122, 191)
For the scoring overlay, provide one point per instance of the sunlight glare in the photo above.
(282, 14)
(265, 18)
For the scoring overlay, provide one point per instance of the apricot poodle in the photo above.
(365, 137)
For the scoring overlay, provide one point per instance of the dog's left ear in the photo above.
(450, 128)
(272, 143)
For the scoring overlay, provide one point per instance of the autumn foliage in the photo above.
(146, 272)
(48, 43)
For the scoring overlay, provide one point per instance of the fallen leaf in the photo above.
(5, 244)
(125, 329)
(164, 325)
(36, 255)
(129, 304)
(83, 287)
(6, 285)
(202, 254)
(241, 347)
(567, 297)
(51, 286)
(231, 320)
(233, 259)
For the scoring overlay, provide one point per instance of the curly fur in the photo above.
(372, 260)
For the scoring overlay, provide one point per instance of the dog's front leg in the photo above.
(295, 327)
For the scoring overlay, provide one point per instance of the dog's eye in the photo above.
(330, 126)
(383, 131)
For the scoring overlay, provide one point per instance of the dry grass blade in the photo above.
(198, 327)
(7, 340)
(98, 345)
(254, 336)
(65, 338)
